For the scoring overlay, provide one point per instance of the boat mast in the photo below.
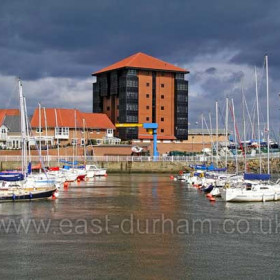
(217, 131)
(27, 129)
(46, 140)
(75, 134)
(211, 131)
(226, 131)
(267, 114)
(84, 129)
(235, 137)
(244, 128)
(23, 130)
(202, 136)
(57, 130)
(40, 132)
(258, 120)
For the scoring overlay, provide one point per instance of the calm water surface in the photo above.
(138, 227)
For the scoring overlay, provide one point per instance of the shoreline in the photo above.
(161, 167)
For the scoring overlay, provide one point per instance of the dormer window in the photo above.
(39, 130)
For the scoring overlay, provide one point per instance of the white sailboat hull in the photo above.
(242, 195)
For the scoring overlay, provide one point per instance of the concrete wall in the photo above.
(161, 167)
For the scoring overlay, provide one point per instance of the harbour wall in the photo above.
(170, 167)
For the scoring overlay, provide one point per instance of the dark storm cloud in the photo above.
(75, 38)
(219, 41)
(211, 70)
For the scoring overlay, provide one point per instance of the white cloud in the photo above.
(50, 92)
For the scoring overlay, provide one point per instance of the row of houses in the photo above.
(56, 126)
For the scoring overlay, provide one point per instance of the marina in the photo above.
(235, 241)
(139, 140)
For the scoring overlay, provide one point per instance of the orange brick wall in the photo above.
(166, 79)
(144, 77)
(167, 102)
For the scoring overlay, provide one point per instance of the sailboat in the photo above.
(250, 190)
(25, 188)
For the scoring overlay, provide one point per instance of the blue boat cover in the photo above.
(66, 167)
(211, 167)
(11, 177)
(252, 176)
(199, 167)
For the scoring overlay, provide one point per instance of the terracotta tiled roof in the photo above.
(66, 118)
(7, 112)
(143, 61)
(97, 120)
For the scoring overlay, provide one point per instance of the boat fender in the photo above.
(180, 172)
(14, 196)
(30, 195)
(227, 185)
(201, 175)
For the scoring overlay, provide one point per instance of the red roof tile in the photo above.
(7, 112)
(66, 118)
(143, 61)
(97, 120)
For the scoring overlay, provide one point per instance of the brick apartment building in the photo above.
(143, 89)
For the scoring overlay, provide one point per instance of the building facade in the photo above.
(63, 127)
(143, 89)
(10, 133)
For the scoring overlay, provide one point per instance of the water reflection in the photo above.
(146, 250)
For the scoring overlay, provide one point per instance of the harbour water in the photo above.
(138, 227)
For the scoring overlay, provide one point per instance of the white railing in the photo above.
(189, 159)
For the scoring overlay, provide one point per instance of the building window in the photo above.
(74, 141)
(147, 107)
(147, 95)
(179, 76)
(110, 132)
(132, 107)
(147, 118)
(63, 131)
(162, 119)
(162, 108)
(162, 85)
(132, 72)
(38, 130)
(162, 130)
(108, 108)
(162, 96)
(97, 131)
(3, 130)
(147, 84)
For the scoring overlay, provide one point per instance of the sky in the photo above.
(54, 46)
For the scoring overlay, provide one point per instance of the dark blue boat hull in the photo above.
(41, 195)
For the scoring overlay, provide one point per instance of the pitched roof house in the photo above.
(10, 128)
(69, 125)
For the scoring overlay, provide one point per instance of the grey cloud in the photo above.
(211, 70)
(71, 39)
